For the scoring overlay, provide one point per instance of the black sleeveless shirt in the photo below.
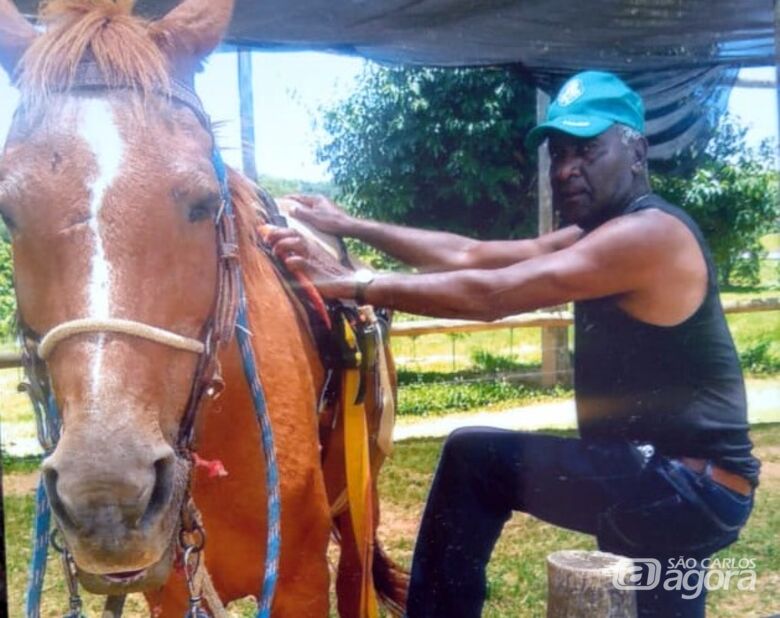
(679, 388)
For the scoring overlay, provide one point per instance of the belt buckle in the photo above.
(645, 449)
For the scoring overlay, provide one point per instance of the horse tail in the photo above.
(390, 581)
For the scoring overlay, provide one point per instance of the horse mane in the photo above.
(103, 31)
(250, 215)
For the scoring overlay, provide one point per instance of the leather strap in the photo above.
(88, 75)
(729, 480)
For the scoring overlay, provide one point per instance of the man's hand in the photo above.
(300, 256)
(319, 211)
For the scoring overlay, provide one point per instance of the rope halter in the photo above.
(115, 325)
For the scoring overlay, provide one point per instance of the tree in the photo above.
(733, 196)
(436, 148)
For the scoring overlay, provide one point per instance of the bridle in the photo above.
(218, 329)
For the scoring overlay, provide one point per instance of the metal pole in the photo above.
(247, 117)
(545, 193)
(556, 366)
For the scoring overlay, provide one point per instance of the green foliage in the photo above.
(436, 148)
(430, 399)
(7, 296)
(366, 254)
(733, 196)
(279, 187)
(487, 362)
(21, 465)
(757, 359)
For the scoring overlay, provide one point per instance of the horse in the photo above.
(109, 190)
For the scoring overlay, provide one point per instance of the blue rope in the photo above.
(272, 472)
(42, 524)
(274, 507)
(41, 532)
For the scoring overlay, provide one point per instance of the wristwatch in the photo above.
(362, 277)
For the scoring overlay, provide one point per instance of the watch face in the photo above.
(364, 275)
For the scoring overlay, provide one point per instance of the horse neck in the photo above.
(288, 366)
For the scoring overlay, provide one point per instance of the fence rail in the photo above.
(543, 319)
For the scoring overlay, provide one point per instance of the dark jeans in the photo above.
(637, 504)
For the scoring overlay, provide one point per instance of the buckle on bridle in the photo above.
(228, 251)
(216, 384)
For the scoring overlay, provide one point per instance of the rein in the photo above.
(229, 317)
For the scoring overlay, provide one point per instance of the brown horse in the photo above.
(110, 196)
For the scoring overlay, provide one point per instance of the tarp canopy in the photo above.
(544, 35)
(682, 55)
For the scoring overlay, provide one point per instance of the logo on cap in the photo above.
(570, 93)
(575, 123)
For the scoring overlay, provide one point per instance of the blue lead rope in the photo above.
(244, 338)
(48, 435)
(41, 533)
(271, 470)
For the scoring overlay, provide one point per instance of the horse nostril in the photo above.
(164, 469)
(50, 477)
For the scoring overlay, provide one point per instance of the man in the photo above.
(663, 466)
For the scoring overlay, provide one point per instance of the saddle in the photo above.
(348, 337)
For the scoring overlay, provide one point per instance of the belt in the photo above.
(729, 480)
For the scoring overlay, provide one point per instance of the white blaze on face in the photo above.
(97, 127)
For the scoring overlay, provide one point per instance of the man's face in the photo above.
(590, 177)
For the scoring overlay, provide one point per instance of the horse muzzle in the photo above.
(119, 522)
(125, 582)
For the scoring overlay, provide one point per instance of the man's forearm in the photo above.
(423, 249)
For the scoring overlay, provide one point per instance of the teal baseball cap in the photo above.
(587, 105)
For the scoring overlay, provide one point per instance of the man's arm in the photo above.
(426, 250)
(648, 259)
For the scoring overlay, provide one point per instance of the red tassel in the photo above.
(214, 467)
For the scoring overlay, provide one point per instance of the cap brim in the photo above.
(576, 125)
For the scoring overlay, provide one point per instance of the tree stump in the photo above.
(580, 585)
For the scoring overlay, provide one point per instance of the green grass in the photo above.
(517, 584)
(489, 381)
(445, 353)
(444, 398)
(756, 329)
(517, 572)
(21, 465)
(15, 405)
(18, 524)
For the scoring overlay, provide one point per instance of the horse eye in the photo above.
(204, 209)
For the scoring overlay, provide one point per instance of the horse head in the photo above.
(110, 195)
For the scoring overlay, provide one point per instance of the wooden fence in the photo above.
(537, 319)
(543, 319)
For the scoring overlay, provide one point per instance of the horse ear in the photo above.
(16, 34)
(191, 31)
